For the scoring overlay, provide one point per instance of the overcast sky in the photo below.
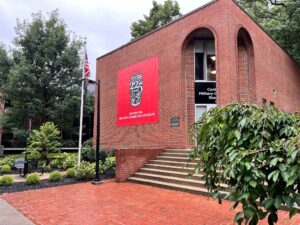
(105, 23)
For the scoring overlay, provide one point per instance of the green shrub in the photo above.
(103, 155)
(68, 143)
(33, 178)
(256, 152)
(70, 173)
(47, 169)
(57, 163)
(55, 176)
(85, 171)
(109, 165)
(64, 160)
(6, 180)
(110, 153)
(33, 154)
(8, 160)
(88, 154)
(45, 140)
(6, 169)
(88, 143)
(70, 161)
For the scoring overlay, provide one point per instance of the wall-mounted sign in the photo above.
(175, 122)
(138, 93)
(205, 93)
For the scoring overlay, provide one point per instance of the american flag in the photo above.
(87, 71)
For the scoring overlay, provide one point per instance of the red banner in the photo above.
(138, 93)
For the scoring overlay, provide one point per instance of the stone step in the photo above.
(172, 186)
(199, 176)
(175, 154)
(186, 151)
(169, 168)
(171, 179)
(173, 163)
(177, 159)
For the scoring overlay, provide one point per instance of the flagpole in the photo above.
(81, 108)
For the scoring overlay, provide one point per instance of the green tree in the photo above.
(160, 14)
(281, 19)
(256, 152)
(44, 81)
(5, 65)
(44, 141)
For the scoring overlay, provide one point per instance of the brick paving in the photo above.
(122, 203)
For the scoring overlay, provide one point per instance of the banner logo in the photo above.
(137, 101)
(136, 90)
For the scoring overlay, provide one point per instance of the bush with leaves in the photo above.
(109, 166)
(55, 176)
(47, 169)
(68, 143)
(256, 152)
(58, 161)
(88, 154)
(85, 171)
(45, 140)
(33, 178)
(33, 154)
(70, 161)
(88, 143)
(6, 180)
(64, 161)
(70, 173)
(6, 169)
(8, 160)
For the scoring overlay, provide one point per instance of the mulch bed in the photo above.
(22, 186)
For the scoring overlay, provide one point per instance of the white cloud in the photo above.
(106, 24)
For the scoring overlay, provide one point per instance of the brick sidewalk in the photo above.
(122, 203)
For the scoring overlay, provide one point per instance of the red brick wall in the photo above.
(130, 160)
(273, 69)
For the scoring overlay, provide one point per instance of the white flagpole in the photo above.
(81, 107)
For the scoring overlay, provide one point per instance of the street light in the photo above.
(97, 179)
(25, 170)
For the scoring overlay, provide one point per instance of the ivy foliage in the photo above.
(256, 152)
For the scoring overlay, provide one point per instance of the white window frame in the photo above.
(208, 107)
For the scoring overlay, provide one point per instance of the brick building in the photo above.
(214, 55)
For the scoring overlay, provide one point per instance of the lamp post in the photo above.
(27, 144)
(97, 179)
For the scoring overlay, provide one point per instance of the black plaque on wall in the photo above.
(205, 93)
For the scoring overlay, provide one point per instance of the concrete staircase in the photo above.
(170, 170)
